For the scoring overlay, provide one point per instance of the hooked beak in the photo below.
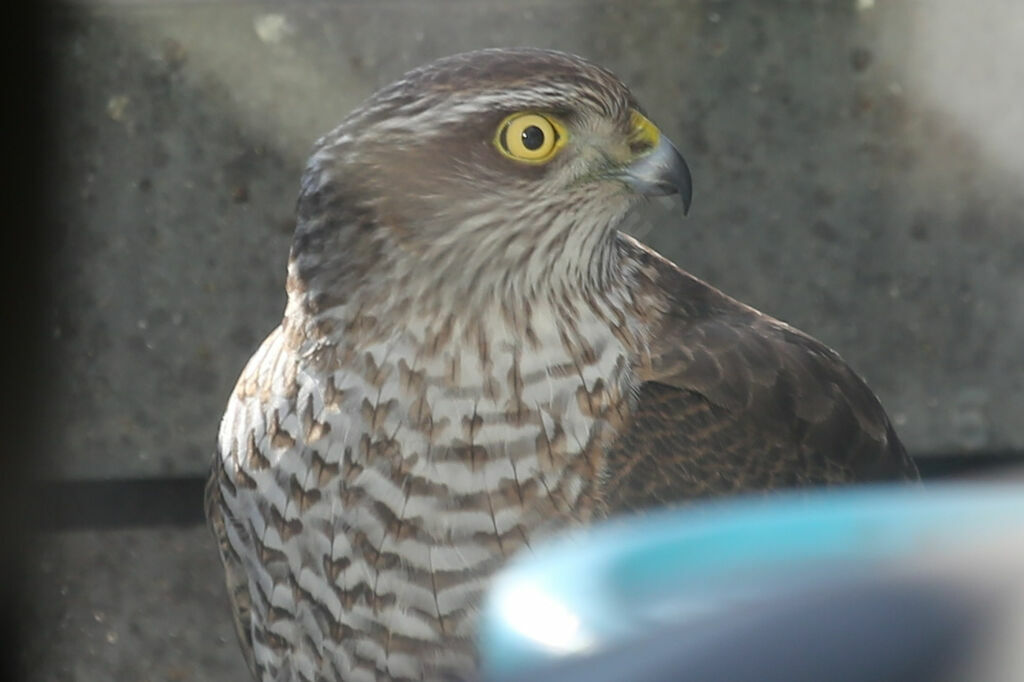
(659, 171)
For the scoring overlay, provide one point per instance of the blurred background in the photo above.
(858, 172)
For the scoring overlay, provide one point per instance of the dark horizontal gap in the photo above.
(972, 464)
(119, 503)
(135, 503)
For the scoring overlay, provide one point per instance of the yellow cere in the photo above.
(530, 137)
(644, 134)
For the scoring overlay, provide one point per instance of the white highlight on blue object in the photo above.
(619, 580)
(538, 616)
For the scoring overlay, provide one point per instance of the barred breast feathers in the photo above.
(382, 477)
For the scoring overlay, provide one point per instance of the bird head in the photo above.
(502, 171)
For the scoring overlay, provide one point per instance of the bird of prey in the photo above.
(472, 357)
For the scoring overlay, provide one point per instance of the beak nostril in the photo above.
(640, 147)
(644, 135)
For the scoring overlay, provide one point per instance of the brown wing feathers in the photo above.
(734, 400)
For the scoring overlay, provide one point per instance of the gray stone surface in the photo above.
(857, 171)
(132, 606)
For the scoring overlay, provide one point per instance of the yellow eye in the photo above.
(532, 138)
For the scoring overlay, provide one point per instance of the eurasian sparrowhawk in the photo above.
(473, 357)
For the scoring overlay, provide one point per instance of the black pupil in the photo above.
(533, 138)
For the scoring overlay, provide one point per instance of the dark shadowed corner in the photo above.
(26, 235)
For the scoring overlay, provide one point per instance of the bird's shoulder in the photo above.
(760, 402)
(255, 432)
(263, 421)
(738, 357)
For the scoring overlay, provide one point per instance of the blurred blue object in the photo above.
(717, 565)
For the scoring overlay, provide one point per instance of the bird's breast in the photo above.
(467, 450)
(400, 474)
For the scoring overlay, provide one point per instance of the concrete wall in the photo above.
(858, 172)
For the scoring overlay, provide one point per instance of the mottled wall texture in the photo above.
(858, 170)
